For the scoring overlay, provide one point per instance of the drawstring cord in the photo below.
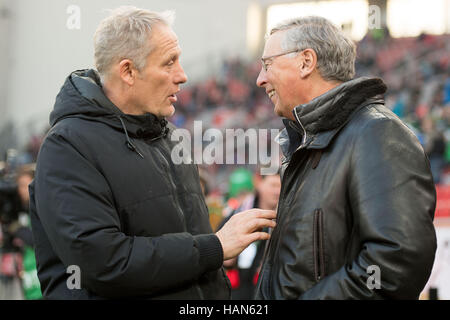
(128, 143)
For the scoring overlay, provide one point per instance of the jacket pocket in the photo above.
(318, 247)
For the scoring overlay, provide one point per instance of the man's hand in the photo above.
(244, 228)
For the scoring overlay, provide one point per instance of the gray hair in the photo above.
(125, 34)
(336, 53)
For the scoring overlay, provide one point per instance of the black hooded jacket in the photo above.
(108, 199)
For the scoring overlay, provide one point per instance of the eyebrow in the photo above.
(175, 55)
(175, 51)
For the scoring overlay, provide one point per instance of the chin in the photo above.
(170, 112)
(278, 112)
(284, 112)
(167, 112)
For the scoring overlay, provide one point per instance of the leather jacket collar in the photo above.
(318, 121)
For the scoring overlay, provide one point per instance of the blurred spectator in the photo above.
(18, 264)
(243, 271)
(213, 201)
(434, 147)
(30, 282)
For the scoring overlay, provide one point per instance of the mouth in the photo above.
(173, 97)
(271, 93)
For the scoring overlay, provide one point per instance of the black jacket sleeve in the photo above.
(77, 212)
(392, 198)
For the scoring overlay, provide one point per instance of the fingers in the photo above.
(268, 214)
(244, 228)
(258, 213)
(261, 223)
(253, 220)
(255, 236)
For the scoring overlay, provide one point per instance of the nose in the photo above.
(262, 78)
(180, 77)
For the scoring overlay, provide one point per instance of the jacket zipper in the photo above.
(271, 245)
(173, 186)
(304, 130)
(274, 246)
(269, 250)
(318, 252)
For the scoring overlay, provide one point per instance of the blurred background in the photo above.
(405, 42)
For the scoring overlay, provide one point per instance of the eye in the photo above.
(266, 64)
(172, 60)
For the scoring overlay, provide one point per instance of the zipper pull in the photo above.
(133, 148)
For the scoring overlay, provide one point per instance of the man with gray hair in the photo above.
(356, 209)
(112, 215)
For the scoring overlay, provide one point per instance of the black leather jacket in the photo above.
(356, 192)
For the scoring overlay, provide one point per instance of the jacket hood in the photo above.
(82, 96)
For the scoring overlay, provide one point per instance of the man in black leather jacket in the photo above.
(112, 215)
(356, 209)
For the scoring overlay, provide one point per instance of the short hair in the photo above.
(125, 34)
(336, 53)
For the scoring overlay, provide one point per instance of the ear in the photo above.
(127, 71)
(308, 62)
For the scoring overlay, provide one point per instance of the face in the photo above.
(281, 80)
(269, 190)
(155, 86)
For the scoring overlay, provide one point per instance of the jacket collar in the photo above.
(318, 121)
(82, 96)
